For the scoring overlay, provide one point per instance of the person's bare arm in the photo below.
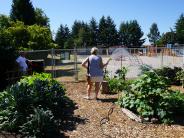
(84, 63)
(103, 65)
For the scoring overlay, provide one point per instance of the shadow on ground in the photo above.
(109, 100)
(179, 120)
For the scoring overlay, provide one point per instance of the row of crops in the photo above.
(37, 105)
(150, 95)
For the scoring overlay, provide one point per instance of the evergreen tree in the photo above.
(180, 29)
(75, 29)
(102, 31)
(131, 34)
(112, 34)
(154, 34)
(23, 10)
(108, 35)
(83, 37)
(124, 34)
(69, 44)
(168, 38)
(93, 32)
(62, 35)
(41, 18)
(81, 34)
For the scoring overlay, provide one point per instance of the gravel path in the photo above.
(119, 126)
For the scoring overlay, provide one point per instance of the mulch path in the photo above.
(119, 125)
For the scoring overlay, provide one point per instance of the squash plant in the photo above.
(150, 97)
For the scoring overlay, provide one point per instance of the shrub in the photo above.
(22, 99)
(40, 124)
(8, 55)
(180, 77)
(170, 73)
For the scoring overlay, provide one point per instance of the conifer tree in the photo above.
(23, 10)
(131, 34)
(62, 35)
(93, 26)
(108, 35)
(180, 29)
(154, 34)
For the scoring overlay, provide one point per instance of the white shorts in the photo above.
(97, 79)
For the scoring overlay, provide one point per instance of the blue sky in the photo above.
(163, 12)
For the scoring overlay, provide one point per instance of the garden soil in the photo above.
(118, 126)
(87, 119)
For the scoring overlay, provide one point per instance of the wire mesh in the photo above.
(65, 64)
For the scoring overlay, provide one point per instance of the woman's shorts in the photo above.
(97, 79)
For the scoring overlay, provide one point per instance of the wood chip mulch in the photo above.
(119, 125)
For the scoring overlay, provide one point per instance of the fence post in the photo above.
(53, 62)
(75, 64)
(162, 51)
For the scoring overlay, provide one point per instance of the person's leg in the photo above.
(97, 88)
(89, 87)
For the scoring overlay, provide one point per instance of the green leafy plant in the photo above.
(121, 73)
(115, 85)
(180, 76)
(118, 83)
(150, 97)
(170, 73)
(20, 101)
(40, 124)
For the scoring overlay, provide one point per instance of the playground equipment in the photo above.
(168, 52)
(152, 51)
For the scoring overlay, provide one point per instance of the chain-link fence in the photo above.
(65, 64)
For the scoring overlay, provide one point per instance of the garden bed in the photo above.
(90, 112)
(119, 125)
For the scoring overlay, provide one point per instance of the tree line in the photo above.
(28, 28)
(105, 34)
(102, 34)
